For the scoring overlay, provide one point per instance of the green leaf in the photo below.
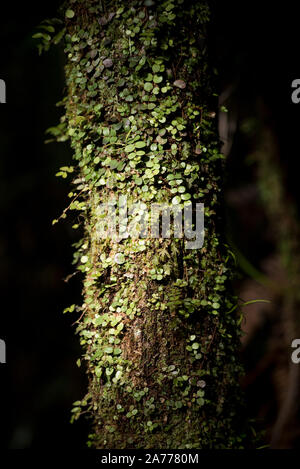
(176, 200)
(113, 164)
(140, 144)
(157, 79)
(70, 14)
(156, 68)
(129, 148)
(149, 77)
(148, 87)
(59, 36)
(45, 36)
(50, 29)
(255, 301)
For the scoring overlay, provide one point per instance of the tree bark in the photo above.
(158, 325)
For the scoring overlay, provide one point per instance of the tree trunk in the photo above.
(158, 324)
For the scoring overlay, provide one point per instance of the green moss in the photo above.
(159, 333)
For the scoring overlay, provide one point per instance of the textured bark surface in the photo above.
(159, 326)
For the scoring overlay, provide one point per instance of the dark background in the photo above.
(256, 46)
(40, 380)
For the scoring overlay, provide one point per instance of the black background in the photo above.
(40, 380)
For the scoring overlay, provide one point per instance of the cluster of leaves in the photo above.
(50, 32)
(157, 325)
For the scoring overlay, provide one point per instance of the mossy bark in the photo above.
(159, 327)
